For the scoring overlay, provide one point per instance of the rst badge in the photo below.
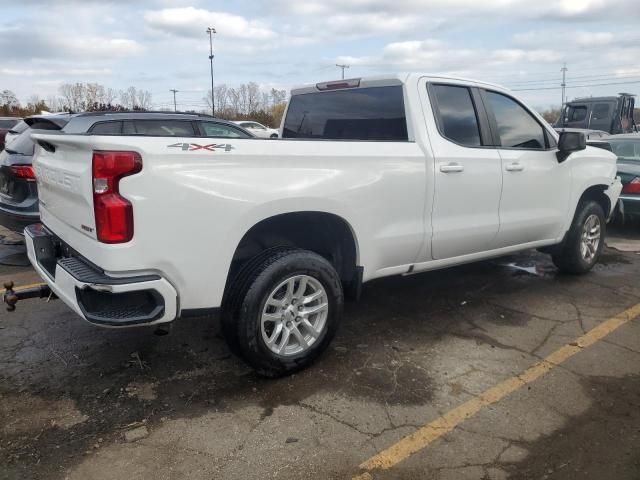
(212, 147)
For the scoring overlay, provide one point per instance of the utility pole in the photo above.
(564, 83)
(175, 108)
(342, 66)
(211, 31)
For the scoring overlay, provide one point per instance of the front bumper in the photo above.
(101, 298)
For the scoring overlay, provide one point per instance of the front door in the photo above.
(535, 187)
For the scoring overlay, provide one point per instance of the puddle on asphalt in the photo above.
(531, 269)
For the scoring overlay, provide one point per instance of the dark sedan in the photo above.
(18, 193)
(6, 124)
(627, 148)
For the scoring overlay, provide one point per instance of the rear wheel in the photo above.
(286, 312)
(585, 240)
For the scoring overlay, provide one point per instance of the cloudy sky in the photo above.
(162, 44)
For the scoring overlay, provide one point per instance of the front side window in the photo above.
(516, 126)
(370, 113)
(577, 114)
(212, 129)
(457, 114)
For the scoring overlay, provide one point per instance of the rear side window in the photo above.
(160, 128)
(375, 114)
(456, 114)
(516, 127)
(107, 128)
(212, 129)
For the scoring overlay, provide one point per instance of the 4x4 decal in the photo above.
(212, 147)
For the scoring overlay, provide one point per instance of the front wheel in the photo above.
(288, 310)
(585, 240)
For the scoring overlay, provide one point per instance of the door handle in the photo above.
(514, 167)
(451, 168)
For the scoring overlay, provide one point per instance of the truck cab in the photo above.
(610, 114)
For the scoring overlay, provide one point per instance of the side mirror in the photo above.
(570, 142)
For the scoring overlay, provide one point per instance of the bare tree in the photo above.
(55, 104)
(74, 96)
(278, 96)
(143, 99)
(9, 99)
(253, 97)
(243, 94)
(233, 97)
(110, 95)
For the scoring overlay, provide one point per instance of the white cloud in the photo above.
(192, 22)
(436, 56)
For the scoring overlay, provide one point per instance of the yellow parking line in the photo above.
(22, 287)
(421, 438)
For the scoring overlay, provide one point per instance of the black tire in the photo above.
(244, 307)
(569, 258)
(275, 135)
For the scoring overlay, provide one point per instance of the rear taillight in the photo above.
(24, 171)
(114, 213)
(632, 187)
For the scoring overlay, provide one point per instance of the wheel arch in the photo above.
(327, 234)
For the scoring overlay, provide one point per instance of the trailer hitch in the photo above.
(11, 296)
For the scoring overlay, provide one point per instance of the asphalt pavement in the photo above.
(426, 379)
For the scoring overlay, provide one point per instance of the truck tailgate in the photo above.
(63, 173)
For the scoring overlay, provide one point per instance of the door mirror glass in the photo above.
(570, 142)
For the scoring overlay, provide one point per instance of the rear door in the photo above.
(535, 187)
(468, 176)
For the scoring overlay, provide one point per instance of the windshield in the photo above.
(626, 149)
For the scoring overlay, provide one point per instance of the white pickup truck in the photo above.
(373, 177)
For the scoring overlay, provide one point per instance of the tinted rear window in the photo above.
(375, 113)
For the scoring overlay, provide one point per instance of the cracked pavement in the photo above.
(412, 349)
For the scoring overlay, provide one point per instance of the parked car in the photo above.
(18, 192)
(600, 143)
(258, 129)
(6, 124)
(377, 176)
(14, 131)
(614, 115)
(627, 148)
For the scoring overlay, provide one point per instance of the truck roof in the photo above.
(390, 79)
(610, 98)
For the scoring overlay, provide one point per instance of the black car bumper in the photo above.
(17, 222)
